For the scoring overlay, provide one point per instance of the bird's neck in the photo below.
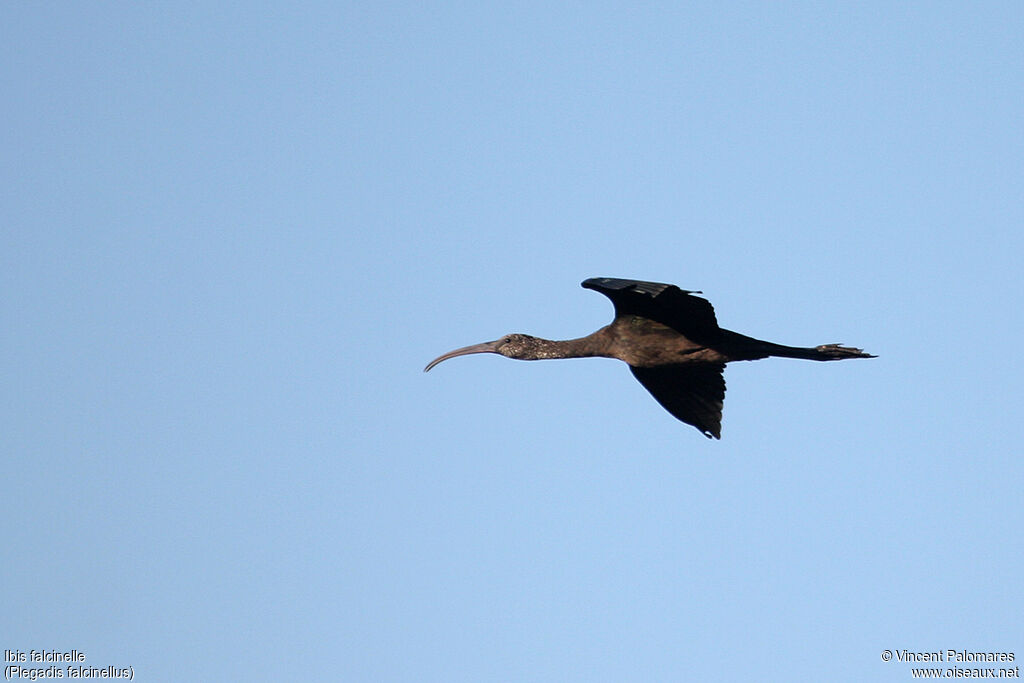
(584, 347)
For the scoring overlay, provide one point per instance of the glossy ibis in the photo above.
(672, 343)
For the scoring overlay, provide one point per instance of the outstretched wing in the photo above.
(693, 393)
(689, 315)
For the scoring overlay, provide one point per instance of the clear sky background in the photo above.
(232, 235)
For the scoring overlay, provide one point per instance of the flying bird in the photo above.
(672, 343)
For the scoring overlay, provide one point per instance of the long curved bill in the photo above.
(486, 347)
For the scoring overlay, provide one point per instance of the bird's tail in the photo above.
(823, 352)
(741, 347)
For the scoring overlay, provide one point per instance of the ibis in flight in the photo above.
(672, 343)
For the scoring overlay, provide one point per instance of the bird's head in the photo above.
(518, 346)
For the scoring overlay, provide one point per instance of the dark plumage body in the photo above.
(672, 343)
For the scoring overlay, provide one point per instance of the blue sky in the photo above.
(233, 234)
